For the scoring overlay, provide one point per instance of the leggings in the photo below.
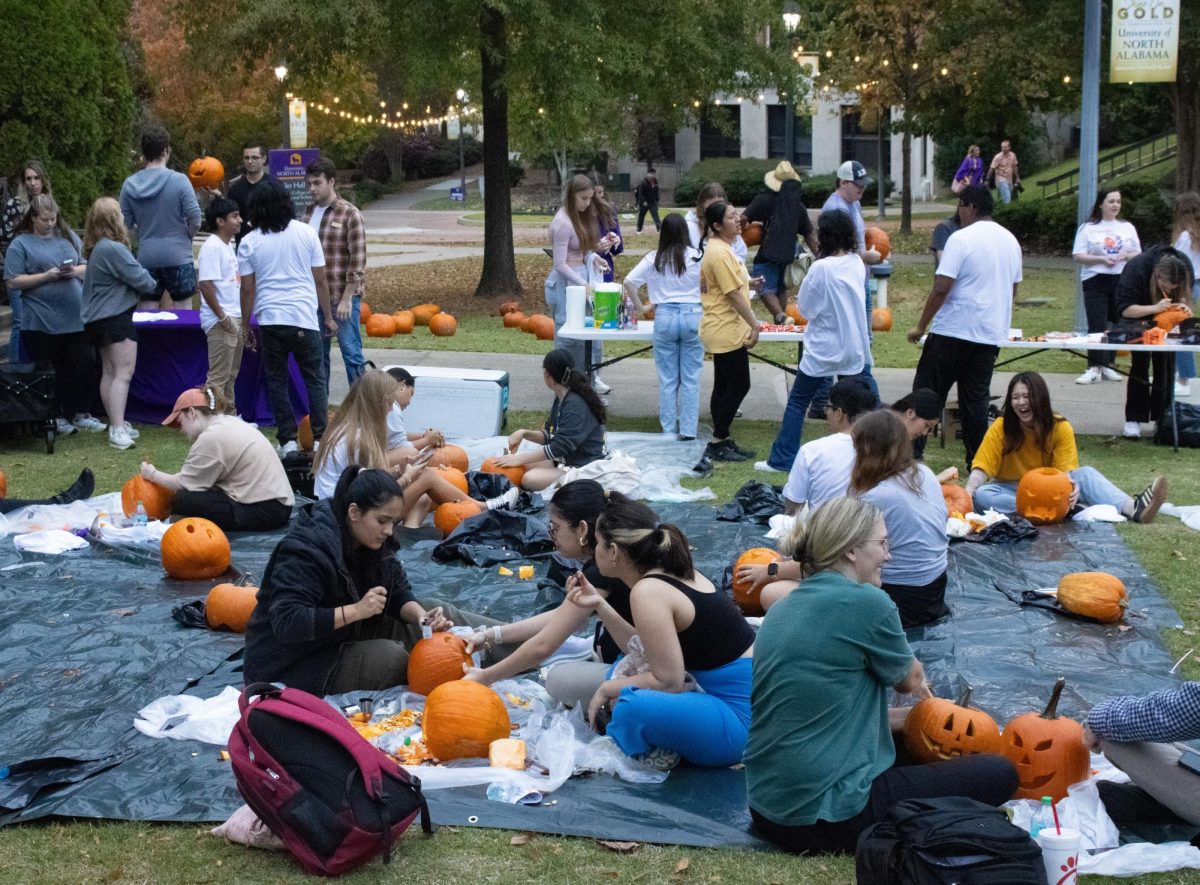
(1100, 306)
(731, 383)
(228, 514)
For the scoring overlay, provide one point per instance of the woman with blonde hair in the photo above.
(34, 181)
(1187, 240)
(111, 286)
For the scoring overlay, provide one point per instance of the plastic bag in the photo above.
(1015, 528)
(1081, 810)
(1189, 515)
(754, 502)
(49, 542)
(191, 614)
(1139, 858)
(69, 517)
(1187, 417)
(187, 718)
(496, 536)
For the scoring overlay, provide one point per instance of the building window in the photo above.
(776, 135)
(721, 132)
(655, 142)
(860, 138)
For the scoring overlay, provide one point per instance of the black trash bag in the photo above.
(482, 486)
(26, 780)
(1018, 528)
(1034, 599)
(191, 614)
(496, 536)
(1187, 418)
(754, 502)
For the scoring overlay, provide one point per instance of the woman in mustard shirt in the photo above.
(1027, 435)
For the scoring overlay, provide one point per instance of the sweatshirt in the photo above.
(112, 281)
(160, 206)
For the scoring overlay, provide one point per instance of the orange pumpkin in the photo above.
(461, 720)
(513, 319)
(206, 172)
(364, 312)
(1170, 318)
(878, 240)
(509, 307)
(793, 311)
(3, 485)
(881, 319)
(514, 474)
(230, 606)
(1047, 750)
(435, 660)
(752, 233)
(938, 729)
(527, 323)
(443, 325)
(743, 594)
(648, 314)
(194, 548)
(423, 313)
(452, 475)
(448, 516)
(1044, 495)
(452, 456)
(541, 326)
(958, 499)
(380, 325)
(155, 499)
(1097, 595)
(405, 322)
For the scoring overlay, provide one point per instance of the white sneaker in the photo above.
(505, 500)
(1108, 373)
(575, 648)
(765, 467)
(599, 386)
(84, 421)
(1182, 390)
(288, 448)
(131, 431)
(1091, 376)
(63, 427)
(1132, 430)
(119, 439)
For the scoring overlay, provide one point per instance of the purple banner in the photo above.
(288, 167)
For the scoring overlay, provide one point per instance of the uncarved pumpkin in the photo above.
(1097, 595)
(513, 319)
(461, 720)
(436, 660)
(364, 312)
(881, 319)
(958, 499)
(230, 606)
(648, 314)
(155, 499)
(878, 239)
(423, 313)
(443, 325)
(405, 322)
(454, 476)
(514, 474)
(1047, 750)
(1044, 495)
(206, 172)
(448, 516)
(794, 312)
(752, 233)
(380, 325)
(541, 327)
(452, 456)
(304, 434)
(3, 485)
(194, 548)
(743, 594)
(1170, 318)
(508, 307)
(938, 729)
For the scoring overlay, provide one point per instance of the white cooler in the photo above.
(462, 403)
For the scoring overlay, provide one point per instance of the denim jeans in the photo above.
(14, 337)
(1004, 188)
(349, 338)
(556, 299)
(1185, 363)
(816, 407)
(304, 345)
(1094, 488)
(679, 358)
(787, 441)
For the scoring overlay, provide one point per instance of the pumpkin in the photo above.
(230, 606)
(195, 548)
(452, 475)
(443, 325)
(448, 516)
(423, 313)
(304, 434)
(1044, 495)
(206, 172)
(461, 720)
(957, 499)
(527, 323)
(452, 456)
(1096, 595)
(878, 240)
(380, 325)
(648, 313)
(793, 311)
(743, 594)
(364, 312)
(513, 319)
(514, 474)
(405, 322)
(3, 485)
(938, 729)
(881, 319)
(509, 307)
(435, 660)
(155, 499)
(1171, 317)
(1047, 750)
(541, 326)
(752, 233)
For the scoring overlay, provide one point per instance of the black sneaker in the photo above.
(81, 489)
(1146, 504)
(724, 451)
(704, 467)
(746, 454)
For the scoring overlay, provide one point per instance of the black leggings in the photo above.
(731, 383)
(919, 604)
(228, 514)
(984, 778)
(76, 369)
(1100, 305)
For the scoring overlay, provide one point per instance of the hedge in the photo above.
(743, 180)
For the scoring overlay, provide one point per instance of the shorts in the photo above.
(179, 281)
(772, 274)
(111, 330)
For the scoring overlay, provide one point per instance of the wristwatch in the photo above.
(773, 570)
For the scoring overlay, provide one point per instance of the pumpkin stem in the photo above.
(1051, 711)
(964, 699)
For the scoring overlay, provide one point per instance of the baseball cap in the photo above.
(193, 398)
(852, 170)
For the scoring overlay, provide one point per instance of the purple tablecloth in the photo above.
(173, 356)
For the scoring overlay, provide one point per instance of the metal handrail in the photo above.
(1128, 159)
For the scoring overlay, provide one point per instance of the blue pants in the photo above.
(787, 441)
(1094, 488)
(1185, 363)
(14, 338)
(556, 299)
(708, 729)
(679, 358)
(1006, 191)
(349, 338)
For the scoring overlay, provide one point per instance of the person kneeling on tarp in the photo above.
(335, 610)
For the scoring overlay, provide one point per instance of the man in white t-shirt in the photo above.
(220, 296)
(822, 467)
(970, 307)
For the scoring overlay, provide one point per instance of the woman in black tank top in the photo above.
(686, 628)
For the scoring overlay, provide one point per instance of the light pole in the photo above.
(791, 21)
(462, 156)
(281, 72)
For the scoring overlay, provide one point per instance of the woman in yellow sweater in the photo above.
(1027, 435)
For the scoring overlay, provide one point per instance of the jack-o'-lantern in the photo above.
(380, 325)
(443, 325)
(958, 499)
(194, 548)
(746, 596)
(156, 499)
(1047, 750)
(938, 729)
(878, 239)
(423, 313)
(452, 456)
(1097, 595)
(206, 172)
(448, 516)
(514, 474)
(881, 319)
(438, 659)
(1044, 495)
(1171, 317)
(452, 475)
(461, 720)
(405, 322)
(230, 606)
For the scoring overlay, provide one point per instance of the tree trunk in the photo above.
(1186, 96)
(499, 278)
(906, 173)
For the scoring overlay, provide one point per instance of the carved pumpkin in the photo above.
(881, 319)
(1044, 495)
(541, 326)
(1097, 595)
(938, 729)
(514, 474)
(746, 597)
(462, 719)
(195, 548)
(364, 312)
(443, 325)
(752, 233)
(449, 515)
(380, 325)
(423, 313)
(405, 322)
(513, 319)
(1170, 318)
(452, 456)
(509, 307)
(435, 660)
(206, 172)
(452, 475)
(958, 499)
(155, 499)
(1047, 750)
(3, 485)
(230, 606)
(793, 311)
(878, 239)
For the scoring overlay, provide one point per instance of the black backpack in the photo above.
(947, 840)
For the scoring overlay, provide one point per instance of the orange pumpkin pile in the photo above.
(380, 325)
(229, 606)
(437, 660)
(1047, 750)
(540, 326)
(513, 319)
(364, 312)
(447, 516)
(938, 729)
(743, 593)
(194, 549)
(1044, 495)
(508, 307)
(514, 474)
(423, 313)
(206, 172)
(405, 321)
(155, 499)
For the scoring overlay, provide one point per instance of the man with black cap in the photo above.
(784, 217)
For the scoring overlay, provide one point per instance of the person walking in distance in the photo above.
(647, 199)
(1005, 172)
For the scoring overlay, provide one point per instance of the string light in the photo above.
(1067, 78)
(382, 119)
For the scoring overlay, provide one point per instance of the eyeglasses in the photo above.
(887, 545)
(554, 529)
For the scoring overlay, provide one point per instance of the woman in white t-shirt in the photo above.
(709, 194)
(1102, 246)
(671, 275)
(1187, 241)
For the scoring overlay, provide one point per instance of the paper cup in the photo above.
(1060, 854)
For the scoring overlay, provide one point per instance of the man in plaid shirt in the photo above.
(339, 224)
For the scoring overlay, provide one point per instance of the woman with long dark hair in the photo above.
(573, 434)
(1028, 434)
(34, 181)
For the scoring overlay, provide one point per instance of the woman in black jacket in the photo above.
(335, 611)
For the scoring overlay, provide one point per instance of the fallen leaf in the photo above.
(124, 612)
(1178, 555)
(682, 865)
(521, 839)
(619, 847)
(610, 874)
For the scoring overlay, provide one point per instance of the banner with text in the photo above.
(298, 123)
(288, 167)
(1145, 41)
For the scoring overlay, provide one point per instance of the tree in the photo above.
(1185, 95)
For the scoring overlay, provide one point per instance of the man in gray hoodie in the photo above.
(161, 210)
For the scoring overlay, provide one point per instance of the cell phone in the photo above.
(1190, 760)
(66, 265)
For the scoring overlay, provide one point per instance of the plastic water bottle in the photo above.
(1043, 818)
(139, 515)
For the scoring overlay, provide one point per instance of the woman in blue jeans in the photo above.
(672, 277)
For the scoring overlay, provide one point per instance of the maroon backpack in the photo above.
(334, 800)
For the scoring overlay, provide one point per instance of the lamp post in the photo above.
(791, 21)
(281, 72)
(461, 95)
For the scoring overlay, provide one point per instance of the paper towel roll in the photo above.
(576, 298)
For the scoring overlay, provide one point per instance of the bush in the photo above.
(430, 156)
(743, 180)
(516, 173)
(366, 191)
